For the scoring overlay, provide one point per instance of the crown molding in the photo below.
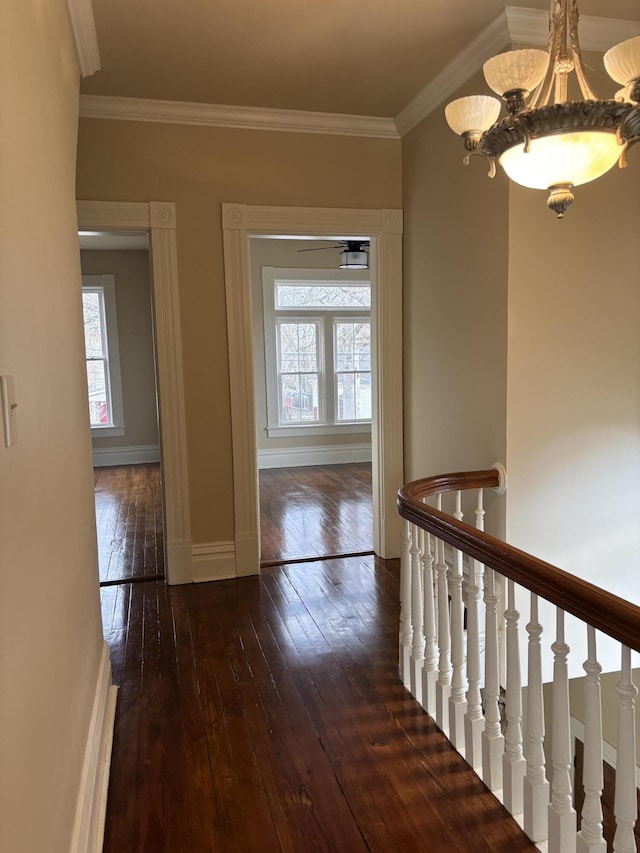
(485, 45)
(83, 26)
(245, 118)
(512, 26)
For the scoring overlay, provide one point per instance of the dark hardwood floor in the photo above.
(129, 522)
(310, 512)
(266, 714)
(315, 511)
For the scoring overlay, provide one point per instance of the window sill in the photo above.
(319, 429)
(107, 432)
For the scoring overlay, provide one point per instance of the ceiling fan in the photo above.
(354, 255)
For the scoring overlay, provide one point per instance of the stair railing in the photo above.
(464, 666)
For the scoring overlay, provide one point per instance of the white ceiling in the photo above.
(357, 57)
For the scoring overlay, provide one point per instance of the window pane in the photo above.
(299, 398)
(354, 396)
(91, 306)
(353, 346)
(298, 347)
(98, 405)
(323, 296)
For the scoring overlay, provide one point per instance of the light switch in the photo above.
(9, 410)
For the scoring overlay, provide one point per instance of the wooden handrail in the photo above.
(614, 616)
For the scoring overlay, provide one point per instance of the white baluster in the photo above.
(443, 685)
(474, 718)
(458, 698)
(590, 837)
(562, 815)
(626, 803)
(513, 765)
(536, 786)
(406, 631)
(492, 737)
(417, 610)
(430, 669)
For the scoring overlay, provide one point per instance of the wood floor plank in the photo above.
(129, 522)
(315, 511)
(266, 714)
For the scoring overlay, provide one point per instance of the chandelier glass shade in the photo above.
(547, 141)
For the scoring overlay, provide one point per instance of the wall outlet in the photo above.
(9, 410)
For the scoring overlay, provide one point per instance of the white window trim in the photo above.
(107, 284)
(270, 275)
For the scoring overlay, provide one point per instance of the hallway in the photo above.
(266, 714)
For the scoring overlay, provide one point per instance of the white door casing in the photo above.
(384, 227)
(159, 219)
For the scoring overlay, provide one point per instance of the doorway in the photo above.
(312, 359)
(120, 353)
(158, 219)
(384, 228)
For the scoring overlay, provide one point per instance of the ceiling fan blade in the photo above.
(319, 249)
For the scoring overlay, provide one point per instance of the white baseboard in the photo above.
(213, 561)
(136, 455)
(294, 457)
(179, 561)
(88, 831)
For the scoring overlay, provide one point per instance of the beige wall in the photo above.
(199, 168)
(50, 631)
(574, 380)
(455, 305)
(573, 412)
(285, 254)
(135, 339)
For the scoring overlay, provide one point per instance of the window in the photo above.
(101, 351)
(317, 351)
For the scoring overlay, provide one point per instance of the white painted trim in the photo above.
(384, 227)
(108, 432)
(159, 218)
(83, 26)
(295, 457)
(244, 118)
(88, 829)
(531, 27)
(609, 752)
(303, 431)
(513, 25)
(213, 561)
(135, 455)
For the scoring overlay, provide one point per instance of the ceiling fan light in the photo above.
(473, 114)
(562, 159)
(516, 70)
(354, 260)
(622, 61)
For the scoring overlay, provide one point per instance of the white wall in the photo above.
(50, 629)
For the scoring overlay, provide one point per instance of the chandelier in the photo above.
(547, 141)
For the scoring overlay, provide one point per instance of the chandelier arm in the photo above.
(543, 92)
(587, 92)
(480, 153)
